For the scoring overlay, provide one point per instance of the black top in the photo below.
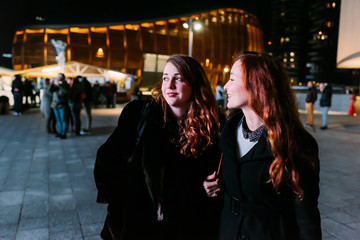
(325, 99)
(311, 95)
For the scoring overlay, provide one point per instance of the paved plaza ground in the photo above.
(47, 189)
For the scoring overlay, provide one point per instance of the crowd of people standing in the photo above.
(26, 91)
(62, 101)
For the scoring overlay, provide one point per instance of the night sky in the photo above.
(18, 13)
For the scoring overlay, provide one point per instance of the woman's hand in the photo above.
(211, 185)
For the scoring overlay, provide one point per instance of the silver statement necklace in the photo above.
(253, 136)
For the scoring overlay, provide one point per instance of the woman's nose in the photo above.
(171, 84)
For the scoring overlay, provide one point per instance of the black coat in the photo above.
(166, 177)
(252, 210)
(325, 99)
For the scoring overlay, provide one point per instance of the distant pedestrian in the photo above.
(28, 91)
(220, 94)
(96, 94)
(60, 104)
(87, 103)
(17, 89)
(311, 96)
(109, 95)
(75, 99)
(45, 107)
(325, 103)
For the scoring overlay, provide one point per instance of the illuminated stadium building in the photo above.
(141, 48)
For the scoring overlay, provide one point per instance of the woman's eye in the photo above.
(165, 78)
(178, 79)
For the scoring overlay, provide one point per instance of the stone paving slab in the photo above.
(47, 190)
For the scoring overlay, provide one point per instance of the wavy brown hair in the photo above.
(201, 122)
(273, 100)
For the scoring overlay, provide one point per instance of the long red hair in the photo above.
(201, 124)
(273, 100)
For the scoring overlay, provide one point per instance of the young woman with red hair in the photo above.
(179, 148)
(271, 165)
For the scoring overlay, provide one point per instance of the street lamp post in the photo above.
(191, 36)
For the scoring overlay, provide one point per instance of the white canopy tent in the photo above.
(6, 77)
(73, 69)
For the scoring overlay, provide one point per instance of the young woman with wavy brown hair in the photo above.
(199, 120)
(178, 148)
(271, 165)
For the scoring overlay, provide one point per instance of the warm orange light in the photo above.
(160, 22)
(147, 25)
(207, 62)
(34, 30)
(132, 27)
(99, 29)
(79, 30)
(57, 31)
(117, 27)
(100, 53)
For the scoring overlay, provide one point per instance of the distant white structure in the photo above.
(60, 50)
(348, 54)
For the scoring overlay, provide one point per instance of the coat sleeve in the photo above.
(307, 212)
(111, 159)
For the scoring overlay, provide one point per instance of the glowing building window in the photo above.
(292, 54)
(173, 29)
(206, 22)
(230, 18)
(222, 19)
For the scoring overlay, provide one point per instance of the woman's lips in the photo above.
(171, 94)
